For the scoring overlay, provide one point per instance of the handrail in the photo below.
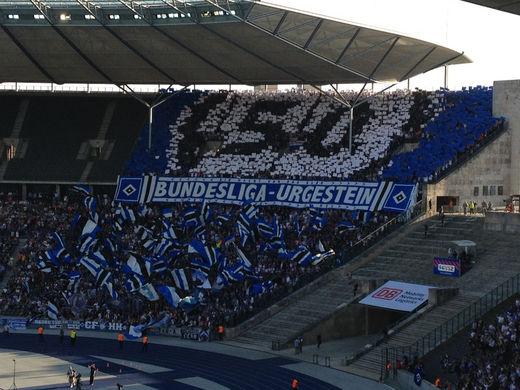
(450, 327)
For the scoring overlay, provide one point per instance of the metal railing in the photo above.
(452, 326)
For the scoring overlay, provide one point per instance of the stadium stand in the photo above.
(232, 286)
(54, 129)
(306, 135)
(202, 133)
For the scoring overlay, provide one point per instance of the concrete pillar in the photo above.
(506, 103)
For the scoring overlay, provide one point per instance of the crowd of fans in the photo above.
(493, 362)
(306, 135)
(288, 135)
(33, 285)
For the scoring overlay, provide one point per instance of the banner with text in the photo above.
(398, 296)
(326, 194)
(446, 267)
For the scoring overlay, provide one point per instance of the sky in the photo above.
(487, 36)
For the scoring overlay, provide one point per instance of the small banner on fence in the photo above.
(446, 267)
(398, 296)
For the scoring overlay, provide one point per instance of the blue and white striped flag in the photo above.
(170, 294)
(52, 311)
(182, 279)
(148, 291)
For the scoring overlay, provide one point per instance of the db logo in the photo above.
(446, 267)
(387, 293)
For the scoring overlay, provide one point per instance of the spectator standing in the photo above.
(120, 339)
(318, 340)
(40, 334)
(73, 337)
(145, 344)
(93, 372)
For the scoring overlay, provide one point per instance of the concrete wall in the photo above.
(502, 222)
(506, 103)
(437, 296)
(353, 320)
(498, 164)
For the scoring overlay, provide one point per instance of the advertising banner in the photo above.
(325, 194)
(446, 267)
(398, 296)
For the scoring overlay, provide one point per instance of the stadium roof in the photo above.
(200, 42)
(513, 7)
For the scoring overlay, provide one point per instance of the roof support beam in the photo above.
(26, 52)
(92, 9)
(280, 22)
(195, 19)
(44, 9)
(347, 46)
(376, 68)
(137, 9)
(324, 59)
(417, 64)
(102, 21)
(333, 37)
(311, 37)
(298, 26)
(370, 48)
(261, 16)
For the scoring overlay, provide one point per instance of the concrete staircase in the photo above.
(410, 259)
(369, 364)
(20, 118)
(285, 325)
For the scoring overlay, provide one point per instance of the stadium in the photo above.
(239, 194)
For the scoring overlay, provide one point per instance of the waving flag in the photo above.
(343, 227)
(318, 258)
(89, 229)
(113, 293)
(167, 213)
(90, 203)
(209, 254)
(138, 265)
(302, 256)
(260, 288)
(243, 258)
(223, 218)
(87, 244)
(182, 279)
(58, 239)
(134, 282)
(102, 277)
(264, 228)
(82, 189)
(190, 217)
(91, 265)
(52, 311)
(205, 212)
(135, 332)
(188, 304)
(148, 291)
(170, 294)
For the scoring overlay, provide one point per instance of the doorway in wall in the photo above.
(449, 204)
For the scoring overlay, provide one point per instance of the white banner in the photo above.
(398, 296)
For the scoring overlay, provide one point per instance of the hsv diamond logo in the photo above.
(129, 189)
(387, 293)
(400, 197)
